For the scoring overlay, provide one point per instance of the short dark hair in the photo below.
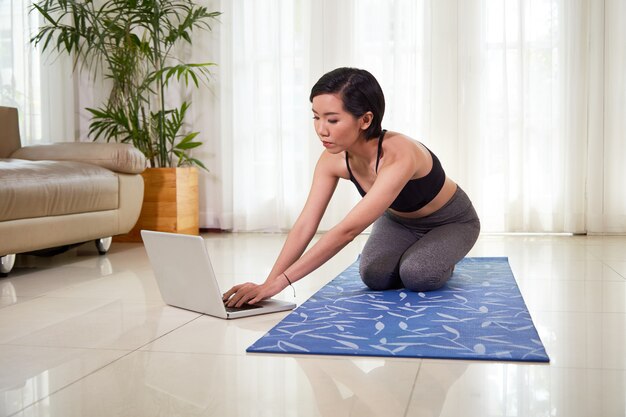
(359, 91)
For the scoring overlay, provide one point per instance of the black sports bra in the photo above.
(416, 193)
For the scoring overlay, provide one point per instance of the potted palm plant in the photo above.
(132, 45)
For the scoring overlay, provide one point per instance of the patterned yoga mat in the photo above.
(479, 315)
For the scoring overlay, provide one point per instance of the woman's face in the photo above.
(336, 128)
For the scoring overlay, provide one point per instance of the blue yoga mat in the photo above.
(479, 314)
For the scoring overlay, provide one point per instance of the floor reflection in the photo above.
(372, 387)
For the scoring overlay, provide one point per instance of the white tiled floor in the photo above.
(84, 335)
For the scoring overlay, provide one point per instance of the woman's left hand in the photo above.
(250, 293)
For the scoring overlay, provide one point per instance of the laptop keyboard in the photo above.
(243, 307)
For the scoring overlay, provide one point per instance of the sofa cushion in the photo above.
(30, 189)
(10, 132)
(118, 157)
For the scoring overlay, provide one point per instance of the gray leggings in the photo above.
(419, 254)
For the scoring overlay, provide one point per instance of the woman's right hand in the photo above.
(251, 293)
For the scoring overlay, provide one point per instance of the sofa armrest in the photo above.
(118, 157)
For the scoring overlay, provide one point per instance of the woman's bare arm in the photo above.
(325, 180)
(292, 262)
(389, 182)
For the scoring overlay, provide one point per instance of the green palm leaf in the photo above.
(131, 43)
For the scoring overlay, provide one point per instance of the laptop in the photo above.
(186, 279)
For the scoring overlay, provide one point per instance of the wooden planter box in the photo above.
(170, 203)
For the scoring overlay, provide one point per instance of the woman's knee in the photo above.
(422, 278)
(378, 276)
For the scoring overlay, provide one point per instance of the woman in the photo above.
(423, 222)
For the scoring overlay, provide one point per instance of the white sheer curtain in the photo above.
(40, 87)
(520, 99)
(606, 153)
(494, 87)
(263, 152)
(267, 143)
(523, 101)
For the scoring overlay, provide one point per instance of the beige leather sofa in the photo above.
(64, 193)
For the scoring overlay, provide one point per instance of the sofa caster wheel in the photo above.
(6, 264)
(103, 244)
